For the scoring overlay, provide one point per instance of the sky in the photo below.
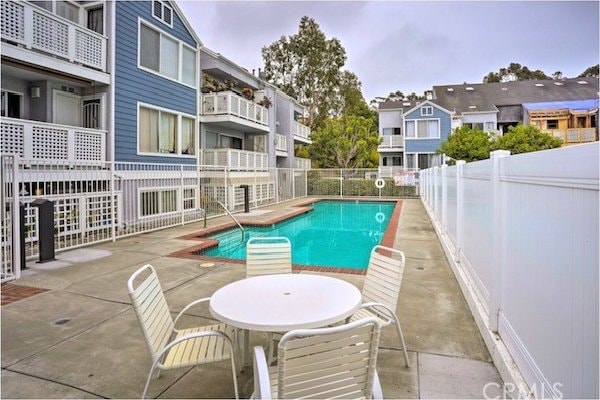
(412, 46)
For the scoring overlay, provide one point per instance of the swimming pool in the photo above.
(337, 234)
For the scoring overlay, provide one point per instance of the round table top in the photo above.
(280, 303)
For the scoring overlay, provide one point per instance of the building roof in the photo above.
(397, 105)
(491, 96)
(573, 105)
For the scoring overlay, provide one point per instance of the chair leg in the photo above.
(234, 373)
(271, 348)
(149, 377)
(401, 337)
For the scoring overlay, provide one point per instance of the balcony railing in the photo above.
(300, 131)
(44, 141)
(302, 163)
(229, 103)
(38, 29)
(281, 143)
(574, 135)
(237, 159)
(392, 142)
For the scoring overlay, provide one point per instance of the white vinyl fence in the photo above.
(523, 229)
(99, 201)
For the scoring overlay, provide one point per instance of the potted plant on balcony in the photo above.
(248, 93)
(208, 84)
(265, 102)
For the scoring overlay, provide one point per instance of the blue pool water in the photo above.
(335, 234)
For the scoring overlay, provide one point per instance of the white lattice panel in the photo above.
(221, 103)
(88, 49)
(222, 158)
(50, 35)
(88, 146)
(99, 212)
(66, 216)
(49, 143)
(11, 141)
(13, 21)
(31, 214)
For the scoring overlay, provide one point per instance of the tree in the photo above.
(467, 144)
(345, 142)
(590, 72)
(307, 65)
(515, 72)
(350, 99)
(557, 75)
(523, 139)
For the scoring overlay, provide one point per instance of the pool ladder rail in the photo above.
(234, 219)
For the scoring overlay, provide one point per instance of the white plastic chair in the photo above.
(173, 348)
(381, 290)
(268, 255)
(337, 362)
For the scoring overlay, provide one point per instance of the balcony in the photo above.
(281, 145)
(235, 112)
(301, 132)
(59, 43)
(391, 143)
(35, 140)
(574, 135)
(302, 163)
(234, 159)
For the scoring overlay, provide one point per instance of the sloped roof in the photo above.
(575, 105)
(395, 105)
(490, 96)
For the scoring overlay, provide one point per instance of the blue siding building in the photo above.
(426, 126)
(156, 84)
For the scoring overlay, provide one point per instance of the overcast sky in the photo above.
(411, 46)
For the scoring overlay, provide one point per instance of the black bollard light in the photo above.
(45, 229)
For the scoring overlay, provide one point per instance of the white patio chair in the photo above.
(337, 362)
(381, 290)
(173, 348)
(268, 255)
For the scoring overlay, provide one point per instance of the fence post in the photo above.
(181, 189)
(436, 193)
(293, 184)
(276, 189)
(16, 218)
(113, 202)
(498, 238)
(341, 183)
(444, 208)
(225, 187)
(460, 209)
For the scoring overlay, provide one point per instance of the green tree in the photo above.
(467, 144)
(346, 142)
(523, 139)
(590, 72)
(515, 71)
(307, 65)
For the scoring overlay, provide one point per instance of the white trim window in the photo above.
(422, 129)
(162, 12)
(426, 111)
(391, 131)
(189, 198)
(490, 126)
(165, 55)
(163, 132)
(153, 202)
(422, 160)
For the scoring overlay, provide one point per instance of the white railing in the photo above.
(521, 233)
(45, 141)
(300, 131)
(574, 135)
(302, 163)
(233, 158)
(392, 141)
(38, 29)
(281, 143)
(229, 103)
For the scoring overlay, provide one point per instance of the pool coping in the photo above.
(302, 208)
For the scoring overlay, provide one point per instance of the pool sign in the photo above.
(404, 179)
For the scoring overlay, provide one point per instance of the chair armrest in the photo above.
(193, 303)
(377, 392)
(387, 312)
(262, 384)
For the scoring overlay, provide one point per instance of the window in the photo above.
(162, 132)
(426, 160)
(160, 53)
(428, 110)
(423, 129)
(163, 12)
(411, 161)
(392, 131)
(95, 19)
(392, 161)
(68, 10)
(189, 198)
(154, 202)
(490, 126)
(229, 142)
(11, 104)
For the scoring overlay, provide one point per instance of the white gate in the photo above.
(9, 228)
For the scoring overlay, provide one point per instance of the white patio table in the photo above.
(280, 303)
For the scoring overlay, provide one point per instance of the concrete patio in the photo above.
(80, 338)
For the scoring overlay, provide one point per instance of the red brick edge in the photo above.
(11, 292)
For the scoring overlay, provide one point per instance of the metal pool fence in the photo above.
(100, 201)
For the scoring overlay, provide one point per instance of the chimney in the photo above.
(253, 71)
(259, 74)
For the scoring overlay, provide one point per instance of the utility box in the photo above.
(45, 229)
(246, 198)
